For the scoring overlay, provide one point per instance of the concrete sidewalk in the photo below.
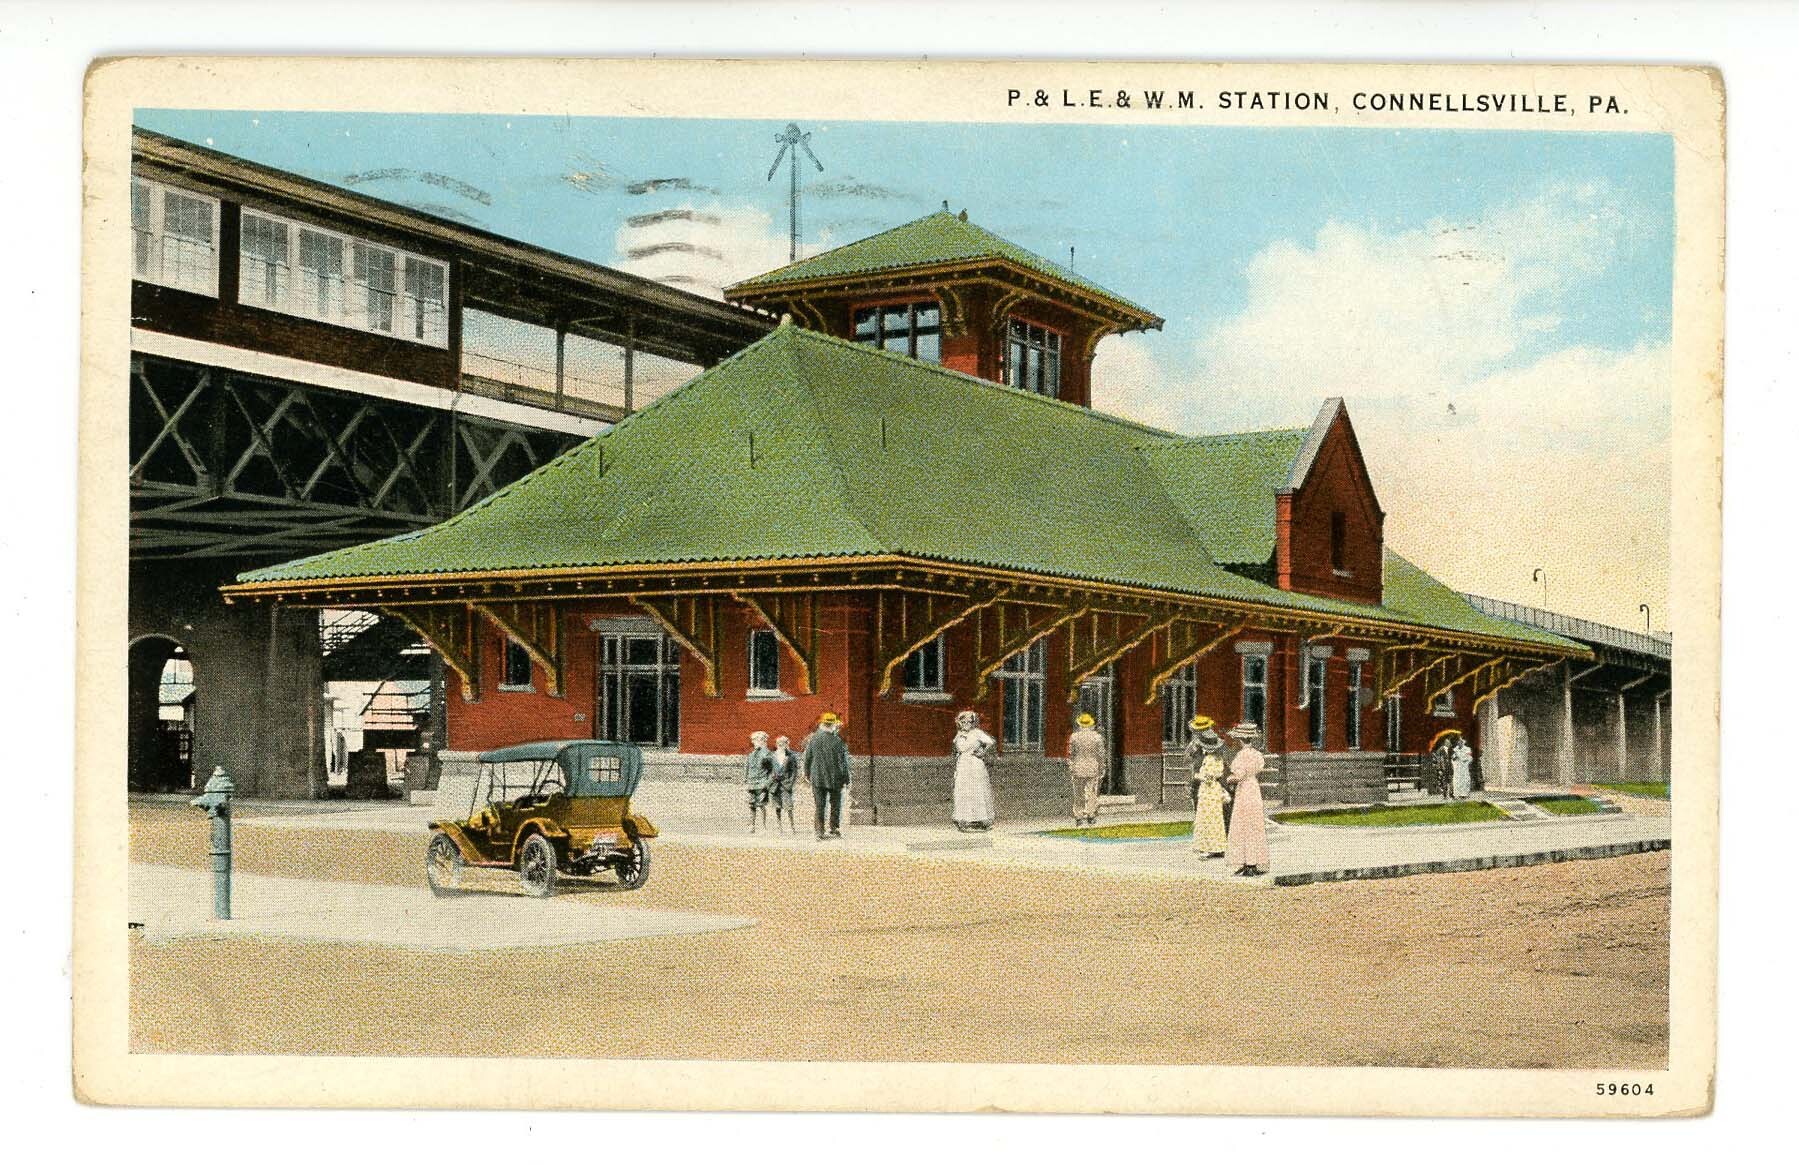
(176, 902)
(712, 814)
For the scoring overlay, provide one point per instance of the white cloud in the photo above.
(1492, 455)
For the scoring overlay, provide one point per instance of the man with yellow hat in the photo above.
(826, 760)
(1086, 766)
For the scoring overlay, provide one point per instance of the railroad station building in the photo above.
(899, 504)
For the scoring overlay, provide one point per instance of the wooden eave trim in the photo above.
(1110, 310)
(370, 590)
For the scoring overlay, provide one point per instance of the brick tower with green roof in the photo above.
(944, 290)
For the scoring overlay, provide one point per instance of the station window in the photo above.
(1445, 704)
(1352, 711)
(1021, 689)
(909, 329)
(174, 237)
(1395, 726)
(1315, 689)
(517, 673)
(1179, 705)
(1034, 359)
(924, 668)
(1255, 690)
(322, 275)
(765, 663)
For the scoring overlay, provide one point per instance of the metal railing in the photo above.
(1657, 646)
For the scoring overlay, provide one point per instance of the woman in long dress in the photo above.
(972, 803)
(1246, 850)
(1209, 796)
(1461, 763)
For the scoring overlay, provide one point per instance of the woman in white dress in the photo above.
(1461, 767)
(972, 806)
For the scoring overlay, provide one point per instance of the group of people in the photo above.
(770, 775)
(1228, 820)
(1454, 761)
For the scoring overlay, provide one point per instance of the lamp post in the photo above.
(1539, 575)
(1644, 607)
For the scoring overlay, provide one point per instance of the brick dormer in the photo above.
(1327, 520)
(949, 292)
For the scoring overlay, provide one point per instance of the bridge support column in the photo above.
(257, 675)
(1623, 740)
(1564, 750)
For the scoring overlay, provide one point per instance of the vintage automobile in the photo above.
(548, 809)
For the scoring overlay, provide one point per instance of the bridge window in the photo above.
(909, 329)
(924, 668)
(174, 238)
(322, 275)
(1034, 359)
(1179, 704)
(1021, 688)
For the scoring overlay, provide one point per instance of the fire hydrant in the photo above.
(216, 800)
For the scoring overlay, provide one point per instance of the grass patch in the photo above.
(1656, 789)
(1374, 816)
(1566, 804)
(1131, 831)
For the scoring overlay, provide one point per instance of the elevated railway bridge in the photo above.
(312, 368)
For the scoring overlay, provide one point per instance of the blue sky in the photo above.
(1200, 200)
(1494, 306)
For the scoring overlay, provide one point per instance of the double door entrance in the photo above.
(1099, 696)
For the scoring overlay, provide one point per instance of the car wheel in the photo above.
(537, 866)
(634, 870)
(443, 865)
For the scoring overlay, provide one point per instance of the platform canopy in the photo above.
(805, 452)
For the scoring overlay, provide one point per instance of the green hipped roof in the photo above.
(939, 237)
(1225, 486)
(861, 452)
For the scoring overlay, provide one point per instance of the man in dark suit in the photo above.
(826, 760)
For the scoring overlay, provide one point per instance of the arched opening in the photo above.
(161, 694)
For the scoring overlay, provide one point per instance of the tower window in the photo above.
(909, 329)
(1034, 359)
(1339, 539)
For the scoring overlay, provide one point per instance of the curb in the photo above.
(1485, 862)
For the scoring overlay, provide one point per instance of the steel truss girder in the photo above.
(224, 463)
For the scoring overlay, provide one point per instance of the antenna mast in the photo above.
(792, 142)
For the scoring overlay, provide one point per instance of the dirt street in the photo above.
(890, 958)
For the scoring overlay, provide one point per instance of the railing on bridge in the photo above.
(1657, 646)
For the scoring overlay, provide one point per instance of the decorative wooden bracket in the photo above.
(537, 627)
(1515, 670)
(1184, 647)
(1100, 639)
(452, 631)
(1459, 678)
(793, 616)
(1017, 627)
(905, 621)
(1394, 680)
(691, 621)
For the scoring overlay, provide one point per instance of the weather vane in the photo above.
(792, 142)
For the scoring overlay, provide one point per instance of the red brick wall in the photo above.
(847, 679)
(1338, 483)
